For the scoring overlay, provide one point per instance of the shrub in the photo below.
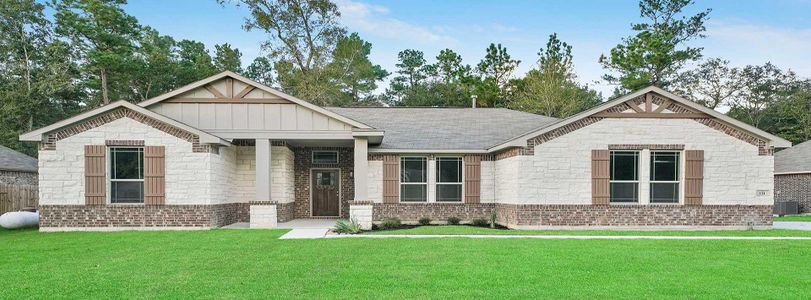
(453, 221)
(493, 220)
(425, 221)
(480, 222)
(350, 227)
(390, 223)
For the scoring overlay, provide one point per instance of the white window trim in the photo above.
(638, 180)
(109, 177)
(679, 181)
(427, 179)
(461, 182)
(337, 157)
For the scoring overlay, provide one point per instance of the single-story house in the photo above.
(792, 176)
(18, 181)
(227, 149)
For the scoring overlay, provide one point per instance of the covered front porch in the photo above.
(300, 182)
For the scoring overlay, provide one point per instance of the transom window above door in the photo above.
(126, 175)
(325, 157)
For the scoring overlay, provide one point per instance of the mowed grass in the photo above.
(793, 218)
(240, 264)
(472, 230)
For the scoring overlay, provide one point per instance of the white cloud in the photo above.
(374, 20)
(745, 43)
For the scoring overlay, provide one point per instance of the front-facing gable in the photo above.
(232, 106)
(651, 102)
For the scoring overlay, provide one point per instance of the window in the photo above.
(126, 175)
(448, 179)
(664, 177)
(325, 157)
(624, 176)
(413, 179)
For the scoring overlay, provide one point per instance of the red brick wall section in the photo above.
(143, 216)
(794, 187)
(634, 215)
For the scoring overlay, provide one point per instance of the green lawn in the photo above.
(238, 264)
(471, 230)
(794, 218)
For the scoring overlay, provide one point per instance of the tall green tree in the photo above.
(409, 87)
(496, 70)
(761, 87)
(352, 70)
(105, 36)
(227, 58)
(712, 83)
(260, 70)
(37, 73)
(551, 89)
(657, 52)
(195, 61)
(790, 116)
(155, 68)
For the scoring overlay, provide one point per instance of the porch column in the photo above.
(361, 169)
(263, 177)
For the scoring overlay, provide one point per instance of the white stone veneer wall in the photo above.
(488, 182)
(560, 170)
(282, 174)
(61, 171)
(375, 181)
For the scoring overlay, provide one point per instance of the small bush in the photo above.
(425, 221)
(349, 227)
(390, 223)
(480, 222)
(453, 221)
(493, 219)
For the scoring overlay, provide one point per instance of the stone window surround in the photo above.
(644, 170)
(431, 180)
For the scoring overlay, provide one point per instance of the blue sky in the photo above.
(744, 32)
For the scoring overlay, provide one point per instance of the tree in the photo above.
(551, 89)
(761, 86)
(37, 73)
(195, 62)
(352, 71)
(155, 66)
(712, 83)
(227, 58)
(260, 70)
(105, 36)
(496, 70)
(790, 116)
(656, 54)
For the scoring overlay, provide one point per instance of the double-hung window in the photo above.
(448, 179)
(126, 175)
(624, 181)
(413, 179)
(664, 177)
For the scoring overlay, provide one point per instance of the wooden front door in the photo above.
(325, 193)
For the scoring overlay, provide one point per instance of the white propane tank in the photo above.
(19, 219)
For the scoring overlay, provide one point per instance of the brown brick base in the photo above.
(794, 187)
(285, 211)
(517, 215)
(435, 211)
(143, 216)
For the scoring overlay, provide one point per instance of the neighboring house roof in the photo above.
(260, 86)
(11, 160)
(205, 137)
(471, 129)
(521, 141)
(796, 159)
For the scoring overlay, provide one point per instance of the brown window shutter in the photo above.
(694, 177)
(95, 175)
(600, 176)
(154, 175)
(391, 178)
(473, 174)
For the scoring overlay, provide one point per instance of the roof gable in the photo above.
(11, 160)
(650, 102)
(229, 87)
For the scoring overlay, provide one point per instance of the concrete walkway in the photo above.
(792, 225)
(307, 228)
(581, 237)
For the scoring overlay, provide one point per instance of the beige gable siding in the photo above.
(204, 109)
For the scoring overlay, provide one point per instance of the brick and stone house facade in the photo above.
(792, 176)
(227, 149)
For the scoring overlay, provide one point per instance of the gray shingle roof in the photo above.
(445, 128)
(794, 159)
(11, 160)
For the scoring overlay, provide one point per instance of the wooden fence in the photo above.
(17, 197)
